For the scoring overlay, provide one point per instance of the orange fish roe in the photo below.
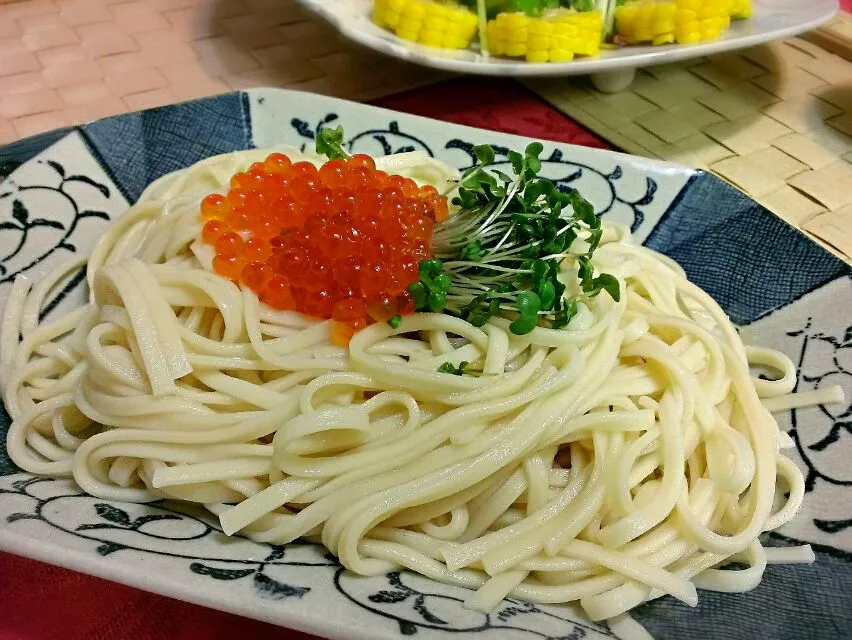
(343, 241)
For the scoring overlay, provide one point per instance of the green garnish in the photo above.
(330, 143)
(430, 291)
(462, 370)
(472, 252)
(504, 248)
(482, 25)
(529, 304)
(529, 7)
(449, 367)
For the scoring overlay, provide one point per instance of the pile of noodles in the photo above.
(622, 458)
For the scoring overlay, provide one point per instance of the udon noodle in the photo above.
(625, 457)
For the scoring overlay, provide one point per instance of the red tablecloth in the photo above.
(43, 602)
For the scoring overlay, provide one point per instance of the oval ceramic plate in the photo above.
(772, 19)
(782, 289)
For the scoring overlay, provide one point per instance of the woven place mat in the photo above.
(64, 62)
(774, 121)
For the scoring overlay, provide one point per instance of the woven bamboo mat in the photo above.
(63, 62)
(775, 121)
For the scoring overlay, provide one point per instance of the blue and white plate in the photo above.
(60, 190)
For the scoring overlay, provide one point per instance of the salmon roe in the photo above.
(343, 241)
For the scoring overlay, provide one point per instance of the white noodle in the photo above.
(189, 388)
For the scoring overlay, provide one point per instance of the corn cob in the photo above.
(431, 23)
(557, 36)
(740, 9)
(667, 21)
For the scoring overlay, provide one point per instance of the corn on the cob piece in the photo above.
(557, 36)
(740, 9)
(666, 21)
(431, 23)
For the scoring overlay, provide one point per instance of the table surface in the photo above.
(45, 602)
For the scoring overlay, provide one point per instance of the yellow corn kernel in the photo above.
(707, 11)
(408, 25)
(643, 34)
(428, 22)
(538, 56)
(666, 11)
(454, 42)
(661, 27)
(627, 13)
(590, 48)
(539, 42)
(415, 10)
(496, 47)
(434, 23)
(516, 21)
(561, 42)
(740, 9)
(685, 15)
(561, 55)
(541, 28)
(692, 25)
(459, 29)
(392, 18)
(410, 36)
(711, 34)
(687, 37)
(716, 24)
(660, 21)
(379, 10)
(557, 36)
(467, 20)
(437, 10)
(643, 22)
(431, 38)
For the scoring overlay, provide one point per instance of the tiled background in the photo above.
(63, 62)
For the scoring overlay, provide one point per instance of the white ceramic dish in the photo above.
(772, 19)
